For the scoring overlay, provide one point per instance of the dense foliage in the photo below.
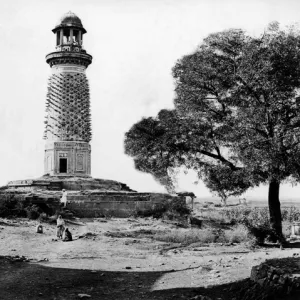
(236, 119)
(14, 206)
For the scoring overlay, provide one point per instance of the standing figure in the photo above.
(60, 223)
(63, 199)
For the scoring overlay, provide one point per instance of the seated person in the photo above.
(67, 236)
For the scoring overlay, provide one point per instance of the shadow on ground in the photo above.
(290, 245)
(19, 280)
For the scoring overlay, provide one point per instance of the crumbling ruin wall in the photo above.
(115, 204)
(90, 203)
(277, 278)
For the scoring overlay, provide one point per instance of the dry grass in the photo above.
(256, 219)
(215, 214)
(187, 236)
(230, 214)
(238, 234)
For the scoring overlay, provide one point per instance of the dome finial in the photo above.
(69, 19)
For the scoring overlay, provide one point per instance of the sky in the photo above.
(134, 44)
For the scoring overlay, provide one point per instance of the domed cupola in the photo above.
(69, 46)
(69, 20)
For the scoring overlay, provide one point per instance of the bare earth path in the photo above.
(118, 259)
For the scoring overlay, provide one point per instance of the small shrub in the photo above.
(236, 214)
(63, 214)
(33, 212)
(256, 219)
(171, 209)
(258, 223)
(187, 236)
(10, 206)
(238, 234)
(108, 216)
(14, 205)
(290, 214)
(216, 215)
(44, 218)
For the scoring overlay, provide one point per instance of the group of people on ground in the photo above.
(62, 232)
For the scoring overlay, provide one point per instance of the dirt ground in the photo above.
(119, 259)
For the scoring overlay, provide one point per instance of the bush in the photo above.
(14, 205)
(44, 218)
(238, 234)
(216, 215)
(258, 223)
(10, 206)
(187, 236)
(33, 212)
(170, 209)
(256, 219)
(237, 214)
(290, 214)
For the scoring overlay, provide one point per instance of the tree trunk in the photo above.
(274, 209)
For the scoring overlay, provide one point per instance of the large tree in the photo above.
(236, 119)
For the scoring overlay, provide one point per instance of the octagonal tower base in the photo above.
(67, 158)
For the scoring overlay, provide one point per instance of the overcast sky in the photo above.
(134, 44)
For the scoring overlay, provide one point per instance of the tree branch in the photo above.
(220, 158)
(249, 88)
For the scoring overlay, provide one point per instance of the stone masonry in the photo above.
(68, 118)
(67, 160)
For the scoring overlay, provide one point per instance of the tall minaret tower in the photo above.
(68, 119)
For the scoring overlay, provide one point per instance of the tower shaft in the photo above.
(68, 120)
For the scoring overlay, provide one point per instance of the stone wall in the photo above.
(87, 197)
(278, 278)
(91, 203)
(115, 204)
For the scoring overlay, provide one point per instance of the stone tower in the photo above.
(68, 119)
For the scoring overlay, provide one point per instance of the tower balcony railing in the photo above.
(69, 56)
(70, 47)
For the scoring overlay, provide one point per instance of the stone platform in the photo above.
(57, 183)
(86, 197)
